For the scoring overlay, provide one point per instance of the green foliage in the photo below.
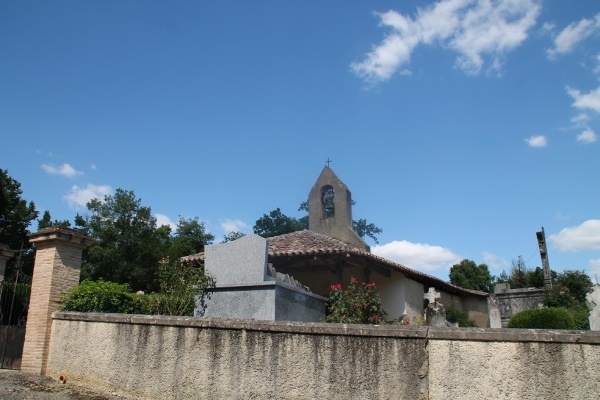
(128, 245)
(581, 317)
(569, 289)
(524, 277)
(46, 222)
(542, 318)
(190, 237)
(362, 228)
(180, 282)
(231, 236)
(469, 275)
(15, 216)
(578, 284)
(101, 296)
(454, 315)
(275, 224)
(358, 304)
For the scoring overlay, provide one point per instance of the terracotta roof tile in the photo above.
(311, 243)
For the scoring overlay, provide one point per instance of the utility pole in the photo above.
(541, 238)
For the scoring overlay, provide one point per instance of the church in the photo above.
(330, 252)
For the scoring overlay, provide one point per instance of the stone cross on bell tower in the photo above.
(330, 209)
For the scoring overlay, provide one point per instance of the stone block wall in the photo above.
(185, 357)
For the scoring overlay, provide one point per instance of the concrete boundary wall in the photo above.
(185, 357)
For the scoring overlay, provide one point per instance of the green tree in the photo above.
(128, 245)
(190, 237)
(362, 228)
(46, 222)
(276, 223)
(231, 236)
(469, 275)
(16, 214)
(569, 289)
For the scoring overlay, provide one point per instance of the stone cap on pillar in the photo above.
(55, 234)
(5, 252)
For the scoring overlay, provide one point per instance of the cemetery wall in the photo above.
(182, 357)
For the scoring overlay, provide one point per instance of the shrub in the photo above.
(101, 296)
(358, 304)
(454, 315)
(180, 283)
(581, 316)
(542, 318)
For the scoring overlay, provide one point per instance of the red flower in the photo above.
(338, 286)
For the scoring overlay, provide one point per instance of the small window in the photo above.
(327, 198)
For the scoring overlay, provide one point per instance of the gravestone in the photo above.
(593, 300)
(432, 295)
(494, 312)
(247, 287)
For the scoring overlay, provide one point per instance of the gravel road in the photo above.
(19, 385)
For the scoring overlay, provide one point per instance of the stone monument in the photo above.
(593, 300)
(246, 287)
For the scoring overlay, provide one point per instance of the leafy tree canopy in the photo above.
(469, 275)
(46, 222)
(190, 237)
(16, 214)
(231, 236)
(276, 223)
(128, 244)
(569, 289)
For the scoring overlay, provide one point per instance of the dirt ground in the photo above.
(18, 385)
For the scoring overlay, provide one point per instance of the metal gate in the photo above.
(14, 304)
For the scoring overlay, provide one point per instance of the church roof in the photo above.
(309, 243)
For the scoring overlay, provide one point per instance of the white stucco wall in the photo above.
(393, 295)
(414, 298)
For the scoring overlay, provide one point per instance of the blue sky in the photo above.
(460, 126)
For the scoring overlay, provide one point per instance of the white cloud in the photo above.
(537, 141)
(419, 256)
(234, 225)
(589, 101)
(162, 219)
(594, 269)
(587, 136)
(580, 119)
(93, 167)
(573, 34)
(494, 261)
(64, 170)
(582, 237)
(79, 197)
(472, 28)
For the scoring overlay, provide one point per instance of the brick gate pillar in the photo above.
(56, 270)
(5, 254)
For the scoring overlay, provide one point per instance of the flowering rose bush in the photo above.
(358, 304)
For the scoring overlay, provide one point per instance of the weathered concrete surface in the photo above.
(184, 357)
(526, 370)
